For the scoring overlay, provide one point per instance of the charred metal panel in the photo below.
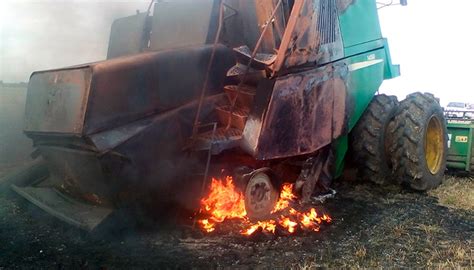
(109, 139)
(156, 163)
(183, 23)
(112, 93)
(128, 35)
(253, 126)
(305, 40)
(331, 48)
(77, 173)
(121, 164)
(254, 23)
(244, 26)
(56, 100)
(130, 88)
(312, 35)
(307, 111)
(274, 34)
(68, 209)
(232, 32)
(327, 21)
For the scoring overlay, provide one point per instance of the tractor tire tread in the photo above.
(368, 140)
(407, 146)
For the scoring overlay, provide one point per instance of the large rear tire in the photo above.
(369, 140)
(419, 146)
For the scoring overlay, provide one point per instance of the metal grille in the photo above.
(327, 21)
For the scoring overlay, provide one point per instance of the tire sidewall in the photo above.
(434, 180)
(385, 138)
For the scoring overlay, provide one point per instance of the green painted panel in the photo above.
(364, 47)
(367, 74)
(369, 61)
(460, 145)
(359, 23)
(459, 141)
(341, 145)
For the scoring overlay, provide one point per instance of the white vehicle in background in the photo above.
(459, 110)
(470, 113)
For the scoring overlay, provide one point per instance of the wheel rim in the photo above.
(434, 148)
(260, 196)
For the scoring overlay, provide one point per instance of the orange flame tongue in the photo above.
(268, 226)
(206, 225)
(288, 224)
(286, 196)
(225, 202)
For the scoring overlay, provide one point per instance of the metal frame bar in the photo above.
(211, 61)
(285, 42)
(208, 162)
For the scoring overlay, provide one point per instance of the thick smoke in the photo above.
(45, 34)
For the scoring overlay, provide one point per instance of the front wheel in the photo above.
(418, 149)
(260, 195)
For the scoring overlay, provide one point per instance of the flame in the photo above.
(286, 196)
(224, 202)
(288, 224)
(268, 226)
(207, 226)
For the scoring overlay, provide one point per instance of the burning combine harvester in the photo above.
(267, 92)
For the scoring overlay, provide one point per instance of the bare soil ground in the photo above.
(372, 227)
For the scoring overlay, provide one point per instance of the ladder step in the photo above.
(238, 119)
(245, 95)
(261, 60)
(223, 139)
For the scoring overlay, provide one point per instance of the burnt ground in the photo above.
(372, 227)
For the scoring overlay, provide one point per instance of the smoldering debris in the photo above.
(367, 229)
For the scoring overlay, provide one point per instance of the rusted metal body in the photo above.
(312, 36)
(306, 111)
(245, 20)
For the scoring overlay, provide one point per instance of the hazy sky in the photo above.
(431, 39)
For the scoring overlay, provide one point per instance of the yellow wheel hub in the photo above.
(434, 145)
